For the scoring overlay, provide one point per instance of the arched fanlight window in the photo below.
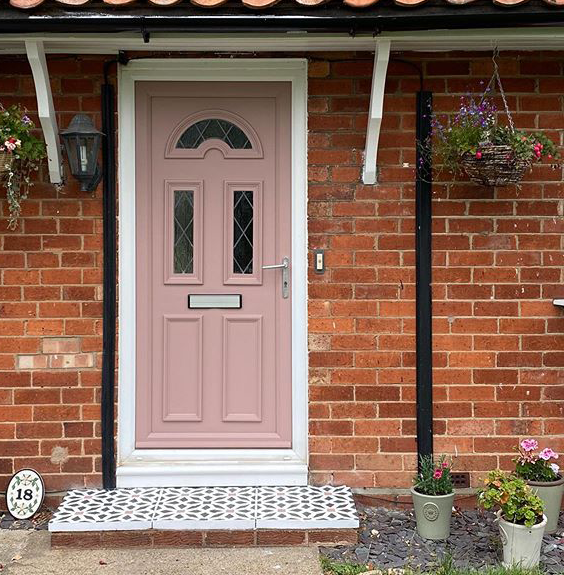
(216, 129)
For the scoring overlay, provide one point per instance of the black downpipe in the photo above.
(423, 268)
(109, 284)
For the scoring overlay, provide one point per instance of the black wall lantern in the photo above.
(82, 144)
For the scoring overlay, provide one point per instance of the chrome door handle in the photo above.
(285, 264)
(285, 267)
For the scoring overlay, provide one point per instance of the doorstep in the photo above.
(205, 516)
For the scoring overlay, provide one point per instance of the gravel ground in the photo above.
(388, 539)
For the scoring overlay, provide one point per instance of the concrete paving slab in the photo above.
(33, 555)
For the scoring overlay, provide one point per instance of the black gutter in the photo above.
(109, 283)
(184, 18)
(423, 269)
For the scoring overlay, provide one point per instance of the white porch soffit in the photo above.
(46, 110)
(549, 38)
(381, 59)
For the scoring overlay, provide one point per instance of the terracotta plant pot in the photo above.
(551, 493)
(432, 514)
(521, 544)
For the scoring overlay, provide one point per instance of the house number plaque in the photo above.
(25, 494)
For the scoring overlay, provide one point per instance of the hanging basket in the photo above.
(5, 162)
(497, 166)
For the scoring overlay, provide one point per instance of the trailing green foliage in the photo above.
(517, 501)
(434, 477)
(21, 153)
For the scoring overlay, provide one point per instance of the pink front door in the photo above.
(213, 206)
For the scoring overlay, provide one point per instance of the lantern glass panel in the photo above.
(82, 144)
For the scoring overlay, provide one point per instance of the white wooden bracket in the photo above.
(36, 56)
(381, 59)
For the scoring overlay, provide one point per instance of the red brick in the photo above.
(77, 540)
(177, 539)
(38, 430)
(332, 428)
(37, 396)
(277, 537)
(229, 538)
(330, 536)
(125, 539)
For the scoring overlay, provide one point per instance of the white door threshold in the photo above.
(210, 473)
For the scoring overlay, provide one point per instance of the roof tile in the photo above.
(208, 3)
(258, 4)
(509, 2)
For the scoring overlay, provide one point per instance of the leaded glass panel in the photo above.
(243, 232)
(222, 130)
(183, 232)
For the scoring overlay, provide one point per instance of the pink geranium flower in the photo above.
(438, 474)
(547, 454)
(529, 444)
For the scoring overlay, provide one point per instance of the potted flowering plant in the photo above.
(433, 496)
(520, 517)
(20, 154)
(490, 153)
(542, 473)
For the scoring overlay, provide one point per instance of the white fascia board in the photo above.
(381, 59)
(45, 108)
(531, 39)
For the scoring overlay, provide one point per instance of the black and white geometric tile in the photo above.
(99, 510)
(206, 508)
(305, 507)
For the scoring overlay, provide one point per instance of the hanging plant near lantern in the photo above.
(491, 153)
(20, 154)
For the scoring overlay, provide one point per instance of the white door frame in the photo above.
(210, 467)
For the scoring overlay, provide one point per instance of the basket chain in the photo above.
(495, 79)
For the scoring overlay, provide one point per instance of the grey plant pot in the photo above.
(551, 493)
(432, 513)
(521, 544)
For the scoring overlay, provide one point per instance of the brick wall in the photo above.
(498, 262)
(50, 303)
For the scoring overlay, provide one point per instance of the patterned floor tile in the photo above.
(305, 507)
(99, 510)
(206, 508)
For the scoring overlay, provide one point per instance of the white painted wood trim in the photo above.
(547, 38)
(558, 302)
(375, 114)
(46, 110)
(144, 467)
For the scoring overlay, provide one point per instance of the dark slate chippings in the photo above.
(39, 522)
(387, 539)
